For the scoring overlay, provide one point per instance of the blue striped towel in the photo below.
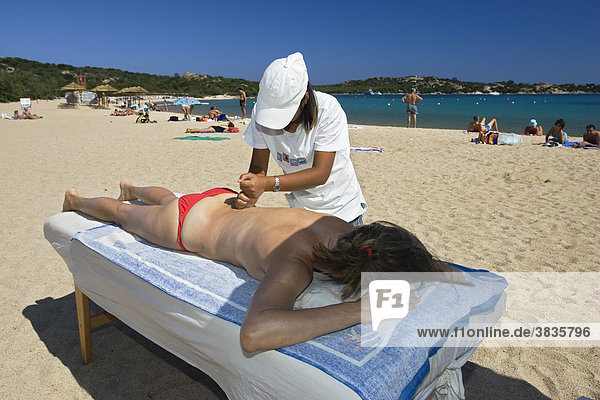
(225, 291)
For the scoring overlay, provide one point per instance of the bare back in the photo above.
(592, 137)
(411, 99)
(256, 238)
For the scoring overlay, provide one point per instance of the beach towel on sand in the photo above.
(223, 290)
(213, 138)
(572, 145)
(377, 149)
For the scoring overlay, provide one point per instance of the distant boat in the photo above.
(370, 92)
(494, 93)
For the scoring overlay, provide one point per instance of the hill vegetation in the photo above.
(25, 78)
(433, 85)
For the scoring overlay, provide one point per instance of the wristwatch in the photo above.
(276, 186)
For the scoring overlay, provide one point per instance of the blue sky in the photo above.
(525, 41)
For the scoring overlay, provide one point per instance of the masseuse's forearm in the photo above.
(300, 180)
(306, 178)
(259, 162)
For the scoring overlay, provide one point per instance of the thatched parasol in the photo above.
(133, 90)
(72, 86)
(104, 102)
(104, 89)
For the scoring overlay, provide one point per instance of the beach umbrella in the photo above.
(133, 90)
(104, 88)
(74, 87)
(187, 101)
(71, 87)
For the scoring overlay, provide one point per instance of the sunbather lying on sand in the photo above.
(230, 127)
(556, 133)
(279, 246)
(591, 137)
(122, 113)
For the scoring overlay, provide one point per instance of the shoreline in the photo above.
(462, 94)
(238, 119)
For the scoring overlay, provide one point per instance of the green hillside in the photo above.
(25, 78)
(429, 84)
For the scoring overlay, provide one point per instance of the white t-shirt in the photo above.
(293, 152)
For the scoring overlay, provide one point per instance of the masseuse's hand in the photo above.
(252, 185)
(244, 201)
(251, 190)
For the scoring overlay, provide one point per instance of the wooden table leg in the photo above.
(83, 321)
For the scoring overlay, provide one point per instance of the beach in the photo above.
(501, 208)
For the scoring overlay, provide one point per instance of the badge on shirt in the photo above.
(279, 156)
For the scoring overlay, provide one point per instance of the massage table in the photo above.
(167, 305)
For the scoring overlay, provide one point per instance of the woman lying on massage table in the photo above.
(278, 246)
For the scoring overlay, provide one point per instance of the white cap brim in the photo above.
(275, 118)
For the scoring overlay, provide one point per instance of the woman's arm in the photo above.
(550, 133)
(271, 322)
(259, 163)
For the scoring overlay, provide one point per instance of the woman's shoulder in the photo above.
(325, 100)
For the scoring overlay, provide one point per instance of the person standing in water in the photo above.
(411, 100)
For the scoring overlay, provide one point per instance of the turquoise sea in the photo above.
(513, 112)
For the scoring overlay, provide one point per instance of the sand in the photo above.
(502, 208)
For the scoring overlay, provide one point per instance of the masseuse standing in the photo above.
(307, 134)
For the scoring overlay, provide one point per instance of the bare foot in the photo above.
(126, 191)
(67, 204)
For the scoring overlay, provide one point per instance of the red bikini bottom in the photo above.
(189, 200)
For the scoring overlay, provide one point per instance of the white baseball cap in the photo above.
(280, 91)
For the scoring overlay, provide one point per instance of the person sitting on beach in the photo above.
(217, 115)
(28, 115)
(480, 126)
(591, 137)
(411, 100)
(278, 246)
(533, 128)
(487, 132)
(556, 134)
(230, 127)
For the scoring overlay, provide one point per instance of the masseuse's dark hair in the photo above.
(391, 248)
(310, 113)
